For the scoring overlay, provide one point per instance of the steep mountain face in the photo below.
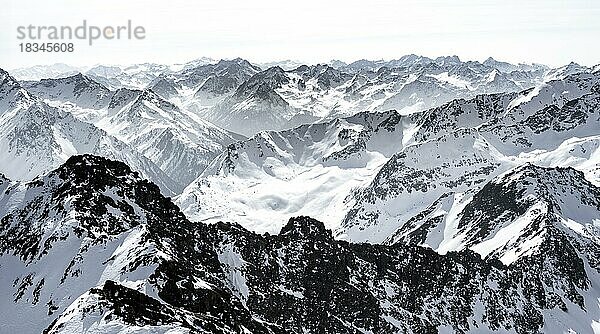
(199, 87)
(176, 140)
(500, 65)
(563, 71)
(544, 118)
(137, 264)
(363, 287)
(85, 248)
(309, 169)
(221, 78)
(255, 105)
(164, 88)
(414, 177)
(36, 138)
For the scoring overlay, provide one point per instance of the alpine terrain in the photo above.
(414, 195)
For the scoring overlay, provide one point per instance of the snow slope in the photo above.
(309, 169)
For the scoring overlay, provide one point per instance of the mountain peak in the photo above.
(275, 69)
(446, 60)
(78, 77)
(539, 174)
(236, 61)
(3, 72)
(92, 169)
(6, 78)
(304, 227)
(11, 90)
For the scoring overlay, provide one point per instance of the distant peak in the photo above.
(237, 60)
(444, 58)
(275, 68)
(78, 77)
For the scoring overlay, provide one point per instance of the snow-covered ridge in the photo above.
(87, 237)
(462, 145)
(510, 217)
(477, 197)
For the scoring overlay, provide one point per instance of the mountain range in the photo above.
(415, 195)
(92, 247)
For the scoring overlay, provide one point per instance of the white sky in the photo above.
(545, 31)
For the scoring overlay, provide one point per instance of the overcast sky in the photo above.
(549, 31)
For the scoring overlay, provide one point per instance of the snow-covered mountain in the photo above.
(138, 264)
(205, 80)
(133, 76)
(255, 105)
(511, 216)
(367, 175)
(276, 99)
(139, 76)
(36, 138)
(77, 89)
(445, 197)
(93, 247)
(508, 67)
(284, 64)
(462, 145)
(179, 142)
